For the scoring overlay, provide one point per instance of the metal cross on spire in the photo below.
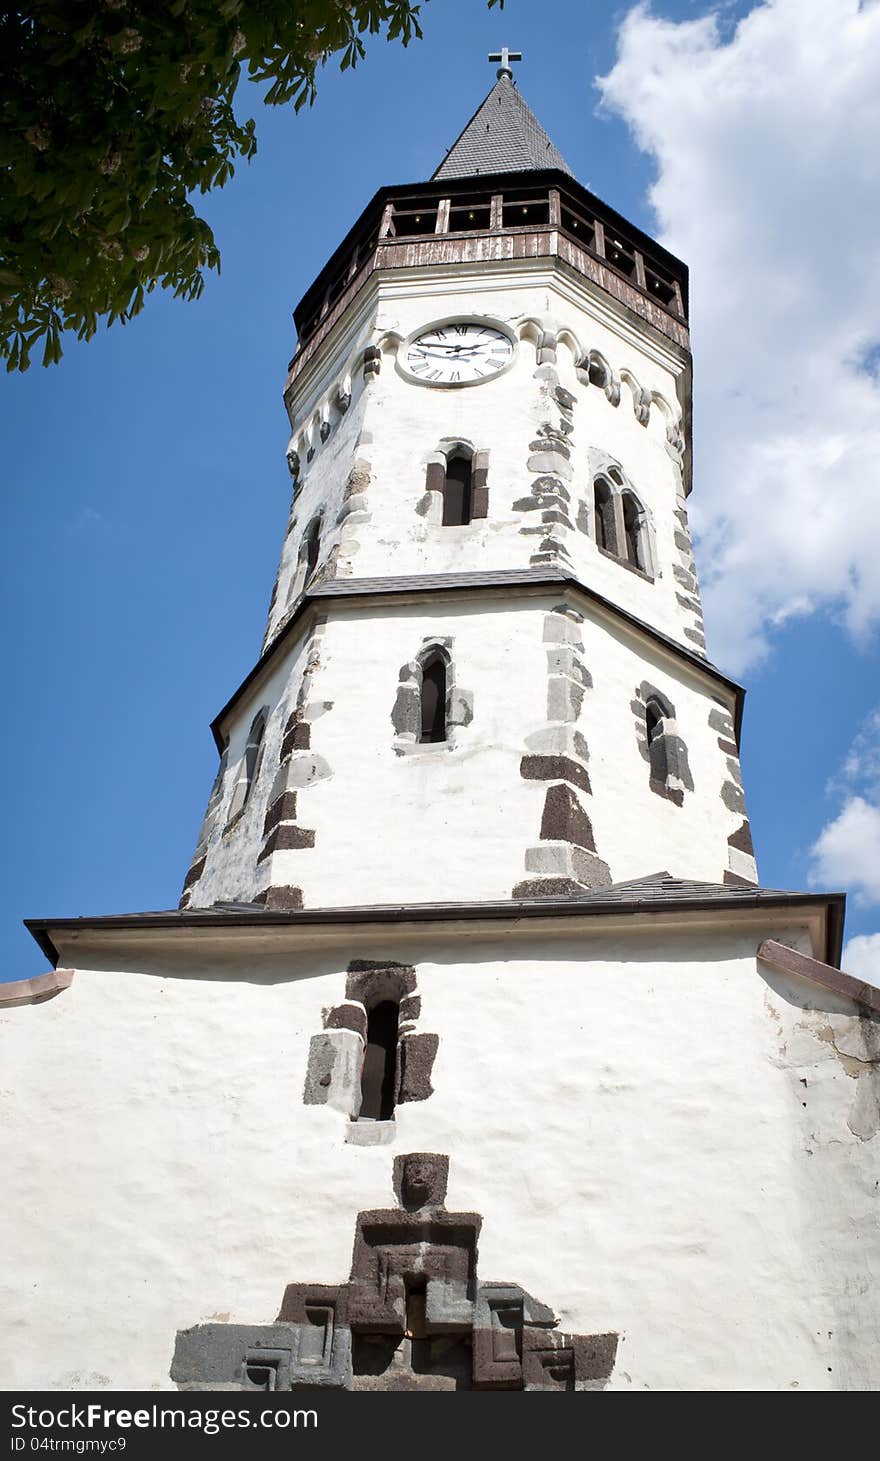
(505, 57)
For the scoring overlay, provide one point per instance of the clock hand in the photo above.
(441, 355)
(445, 351)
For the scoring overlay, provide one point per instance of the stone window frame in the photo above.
(431, 504)
(428, 656)
(612, 477)
(335, 1061)
(677, 779)
(605, 511)
(301, 576)
(406, 716)
(248, 769)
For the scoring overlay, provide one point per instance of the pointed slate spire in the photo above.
(503, 135)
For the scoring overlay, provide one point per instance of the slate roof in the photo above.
(657, 893)
(497, 578)
(503, 135)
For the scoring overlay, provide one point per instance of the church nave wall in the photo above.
(679, 1090)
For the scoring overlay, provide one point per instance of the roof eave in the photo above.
(506, 580)
(833, 905)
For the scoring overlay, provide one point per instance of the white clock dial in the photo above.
(458, 354)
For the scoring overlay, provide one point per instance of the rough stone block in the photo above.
(551, 461)
(552, 859)
(559, 740)
(565, 697)
(195, 872)
(347, 1016)
(283, 809)
(303, 769)
(371, 980)
(566, 661)
(560, 630)
(742, 839)
(448, 1309)
(333, 1074)
(732, 797)
(287, 837)
(546, 888)
(743, 864)
(555, 768)
(590, 871)
(719, 720)
(279, 1357)
(416, 1054)
(286, 899)
(556, 1361)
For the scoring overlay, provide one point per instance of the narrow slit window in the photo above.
(632, 531)
(656, 725)
(603, 505)
(250, 765)
(597, 371)
(433, 725)
(457, 492)
(380, 1062)
(313, 547)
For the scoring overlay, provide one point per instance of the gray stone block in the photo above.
(564, 698)
(264, 1357)
(559, 740)
(333, 1073)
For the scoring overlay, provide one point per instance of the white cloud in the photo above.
(862, 765)
(861, 957)
(847, 852)
(768, 185)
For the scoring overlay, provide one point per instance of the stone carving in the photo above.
(412, 1316)
(420, 1180)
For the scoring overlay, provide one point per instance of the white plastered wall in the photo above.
(398, 425)
(659, 1139)
(453, 821)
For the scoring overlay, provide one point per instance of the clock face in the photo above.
(458, 354)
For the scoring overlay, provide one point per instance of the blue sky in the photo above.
(147, 492)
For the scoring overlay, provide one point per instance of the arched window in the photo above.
(457, 491)
(603, 506)
(597, 370)
(380, 1062)
(312, 546)
(433, 699)
(632, 530)
(655, 718)
(250, 765)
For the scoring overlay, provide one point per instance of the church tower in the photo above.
(486, 620)
(474, 1056)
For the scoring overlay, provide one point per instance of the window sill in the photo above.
(370, 1133)
(625, 563)
(431, 748)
